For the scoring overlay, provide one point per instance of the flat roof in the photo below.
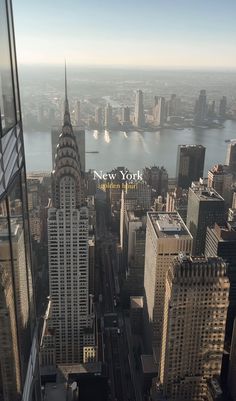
(55, 392)
(136, 215)
(168, 224)
(136, 302)
(148, 364)
(80, 368)
(206, 194)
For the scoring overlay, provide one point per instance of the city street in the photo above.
(116, 349)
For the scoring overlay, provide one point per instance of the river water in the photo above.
(134, 150)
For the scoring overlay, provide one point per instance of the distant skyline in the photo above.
(156, 33)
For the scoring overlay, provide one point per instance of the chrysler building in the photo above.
(68, 248)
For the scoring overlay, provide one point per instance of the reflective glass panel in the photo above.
(7, 105)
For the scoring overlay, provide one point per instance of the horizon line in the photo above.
(128, 66)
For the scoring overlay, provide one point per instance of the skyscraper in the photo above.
(159, 111)
(157, 178)
(222, 107)
(221, 179)
(166, 236)
(68, 248)
(205, 208)
(80, 139)
(125, 115)
(77, 113)
(232, 366)
(98, 117)
(200, 113)
(190, 164)
(221, 241)
(108, 116)
(139, 119)
(196, 304)
(231, 156)
(19, 376)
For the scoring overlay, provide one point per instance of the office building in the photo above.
(200, 112)
(196, 304)
(108, 116)
(177, 201)
(173, 106)
(79, 134)
(19, 376)
(125, 118)
(99, 117)
(231, 156)
(220, 178)
(232, 366)
(221, 241)
(190, 164)
(222, 107)
(68, 249)
(157, 178)
(166, 236)
(77, 113)
(133, 252)
(205, 208)
(139, 118)
(159, 111)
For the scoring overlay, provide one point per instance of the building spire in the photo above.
(66, 98)
(66, 103)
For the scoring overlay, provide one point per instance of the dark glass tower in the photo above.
(221, 241)
(205, 208)
(190, 164)
(18, 339)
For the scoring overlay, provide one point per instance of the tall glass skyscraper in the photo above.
(18, 334)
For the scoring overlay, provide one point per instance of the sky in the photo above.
(132, 33)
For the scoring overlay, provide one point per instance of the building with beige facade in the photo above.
(196, 302)
(166, 236)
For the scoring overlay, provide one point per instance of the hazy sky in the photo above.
(162, 33)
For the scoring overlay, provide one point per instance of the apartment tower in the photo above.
(166, 236)
(196, 302)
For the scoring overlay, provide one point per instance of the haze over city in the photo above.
(157, 33)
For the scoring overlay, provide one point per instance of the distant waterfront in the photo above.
(134, 150)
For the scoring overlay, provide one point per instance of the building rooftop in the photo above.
(226, 232)
(136, 302)
(168, 224)
(80, 368)
(148, 364)
(206, 194)
(136, 215)
(192, 146)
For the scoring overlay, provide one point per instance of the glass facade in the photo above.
(17, 322)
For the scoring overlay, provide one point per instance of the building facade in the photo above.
(221, 179)
(68, 229)
(231, 156)
(190, 164)
(196, 304)
(139, 118)
(232, 366)
(166, 236)
(205, 208)
(221, 241)
(19, 378)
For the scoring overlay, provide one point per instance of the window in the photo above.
(7, 93)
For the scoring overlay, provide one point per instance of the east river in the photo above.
(134, 150)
